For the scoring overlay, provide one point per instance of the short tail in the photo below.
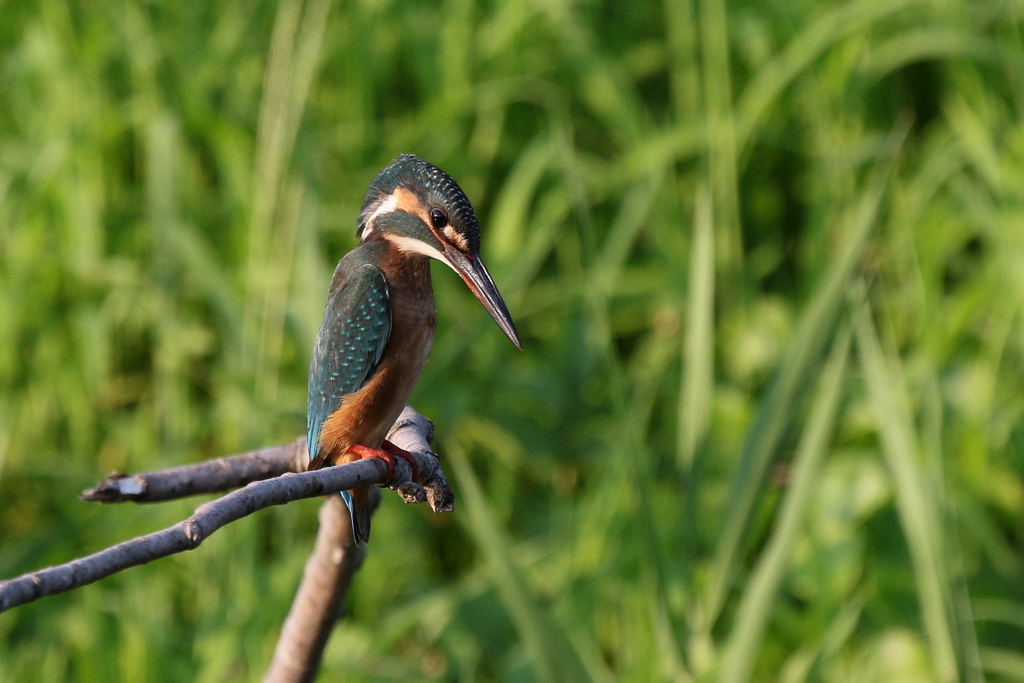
(358, 503)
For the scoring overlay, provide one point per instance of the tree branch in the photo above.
(318, 602)
(335, 560)
(210, 476)
(411, 432)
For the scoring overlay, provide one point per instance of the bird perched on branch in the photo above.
(379, 323)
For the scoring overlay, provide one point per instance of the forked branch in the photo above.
(412, 432)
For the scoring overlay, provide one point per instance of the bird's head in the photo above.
(419, 209)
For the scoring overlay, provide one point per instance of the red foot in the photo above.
(367, 452)
(386, 453)
(404, 455)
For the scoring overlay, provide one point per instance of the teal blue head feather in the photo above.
(412, 186)
(420, 210)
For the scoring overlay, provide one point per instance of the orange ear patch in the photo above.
(408, 201)
(456, 238)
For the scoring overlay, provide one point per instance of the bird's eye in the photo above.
(438, 218)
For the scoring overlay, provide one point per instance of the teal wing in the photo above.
(352, 337)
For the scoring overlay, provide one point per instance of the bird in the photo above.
(379, 321)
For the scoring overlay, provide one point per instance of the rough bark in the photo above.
(411, 432)
(210, 476)
(335, 560)
(319, 600)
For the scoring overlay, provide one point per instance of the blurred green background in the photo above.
(767, 260)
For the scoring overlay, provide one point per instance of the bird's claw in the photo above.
(387, 453)
(366, 452)
(405, 455)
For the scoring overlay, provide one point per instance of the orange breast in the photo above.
(365, 416)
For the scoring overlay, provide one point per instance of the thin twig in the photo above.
(210, 476)
(210, 517)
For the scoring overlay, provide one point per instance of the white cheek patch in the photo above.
(387, 206)
(415, 246)
(402, 199)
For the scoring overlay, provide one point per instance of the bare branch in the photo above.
(335, 559)
(317, 605)
(210, 476)
(210, 517)
(414, 433)
(411, 431)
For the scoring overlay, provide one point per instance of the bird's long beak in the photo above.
(474, 273)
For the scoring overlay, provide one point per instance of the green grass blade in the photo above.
(773, 78)
(1000, 611)
(775, 412)
(917, 508)
(721, 132)
(928, 44)
(756, 605)
(681, 30)
(1004, 663)
(798, 666)
(699, 341)
(507, 226)
(552, 655)
(292, 64)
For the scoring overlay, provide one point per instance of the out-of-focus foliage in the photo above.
(767, 259)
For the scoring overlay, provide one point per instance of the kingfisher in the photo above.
(379, 322)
